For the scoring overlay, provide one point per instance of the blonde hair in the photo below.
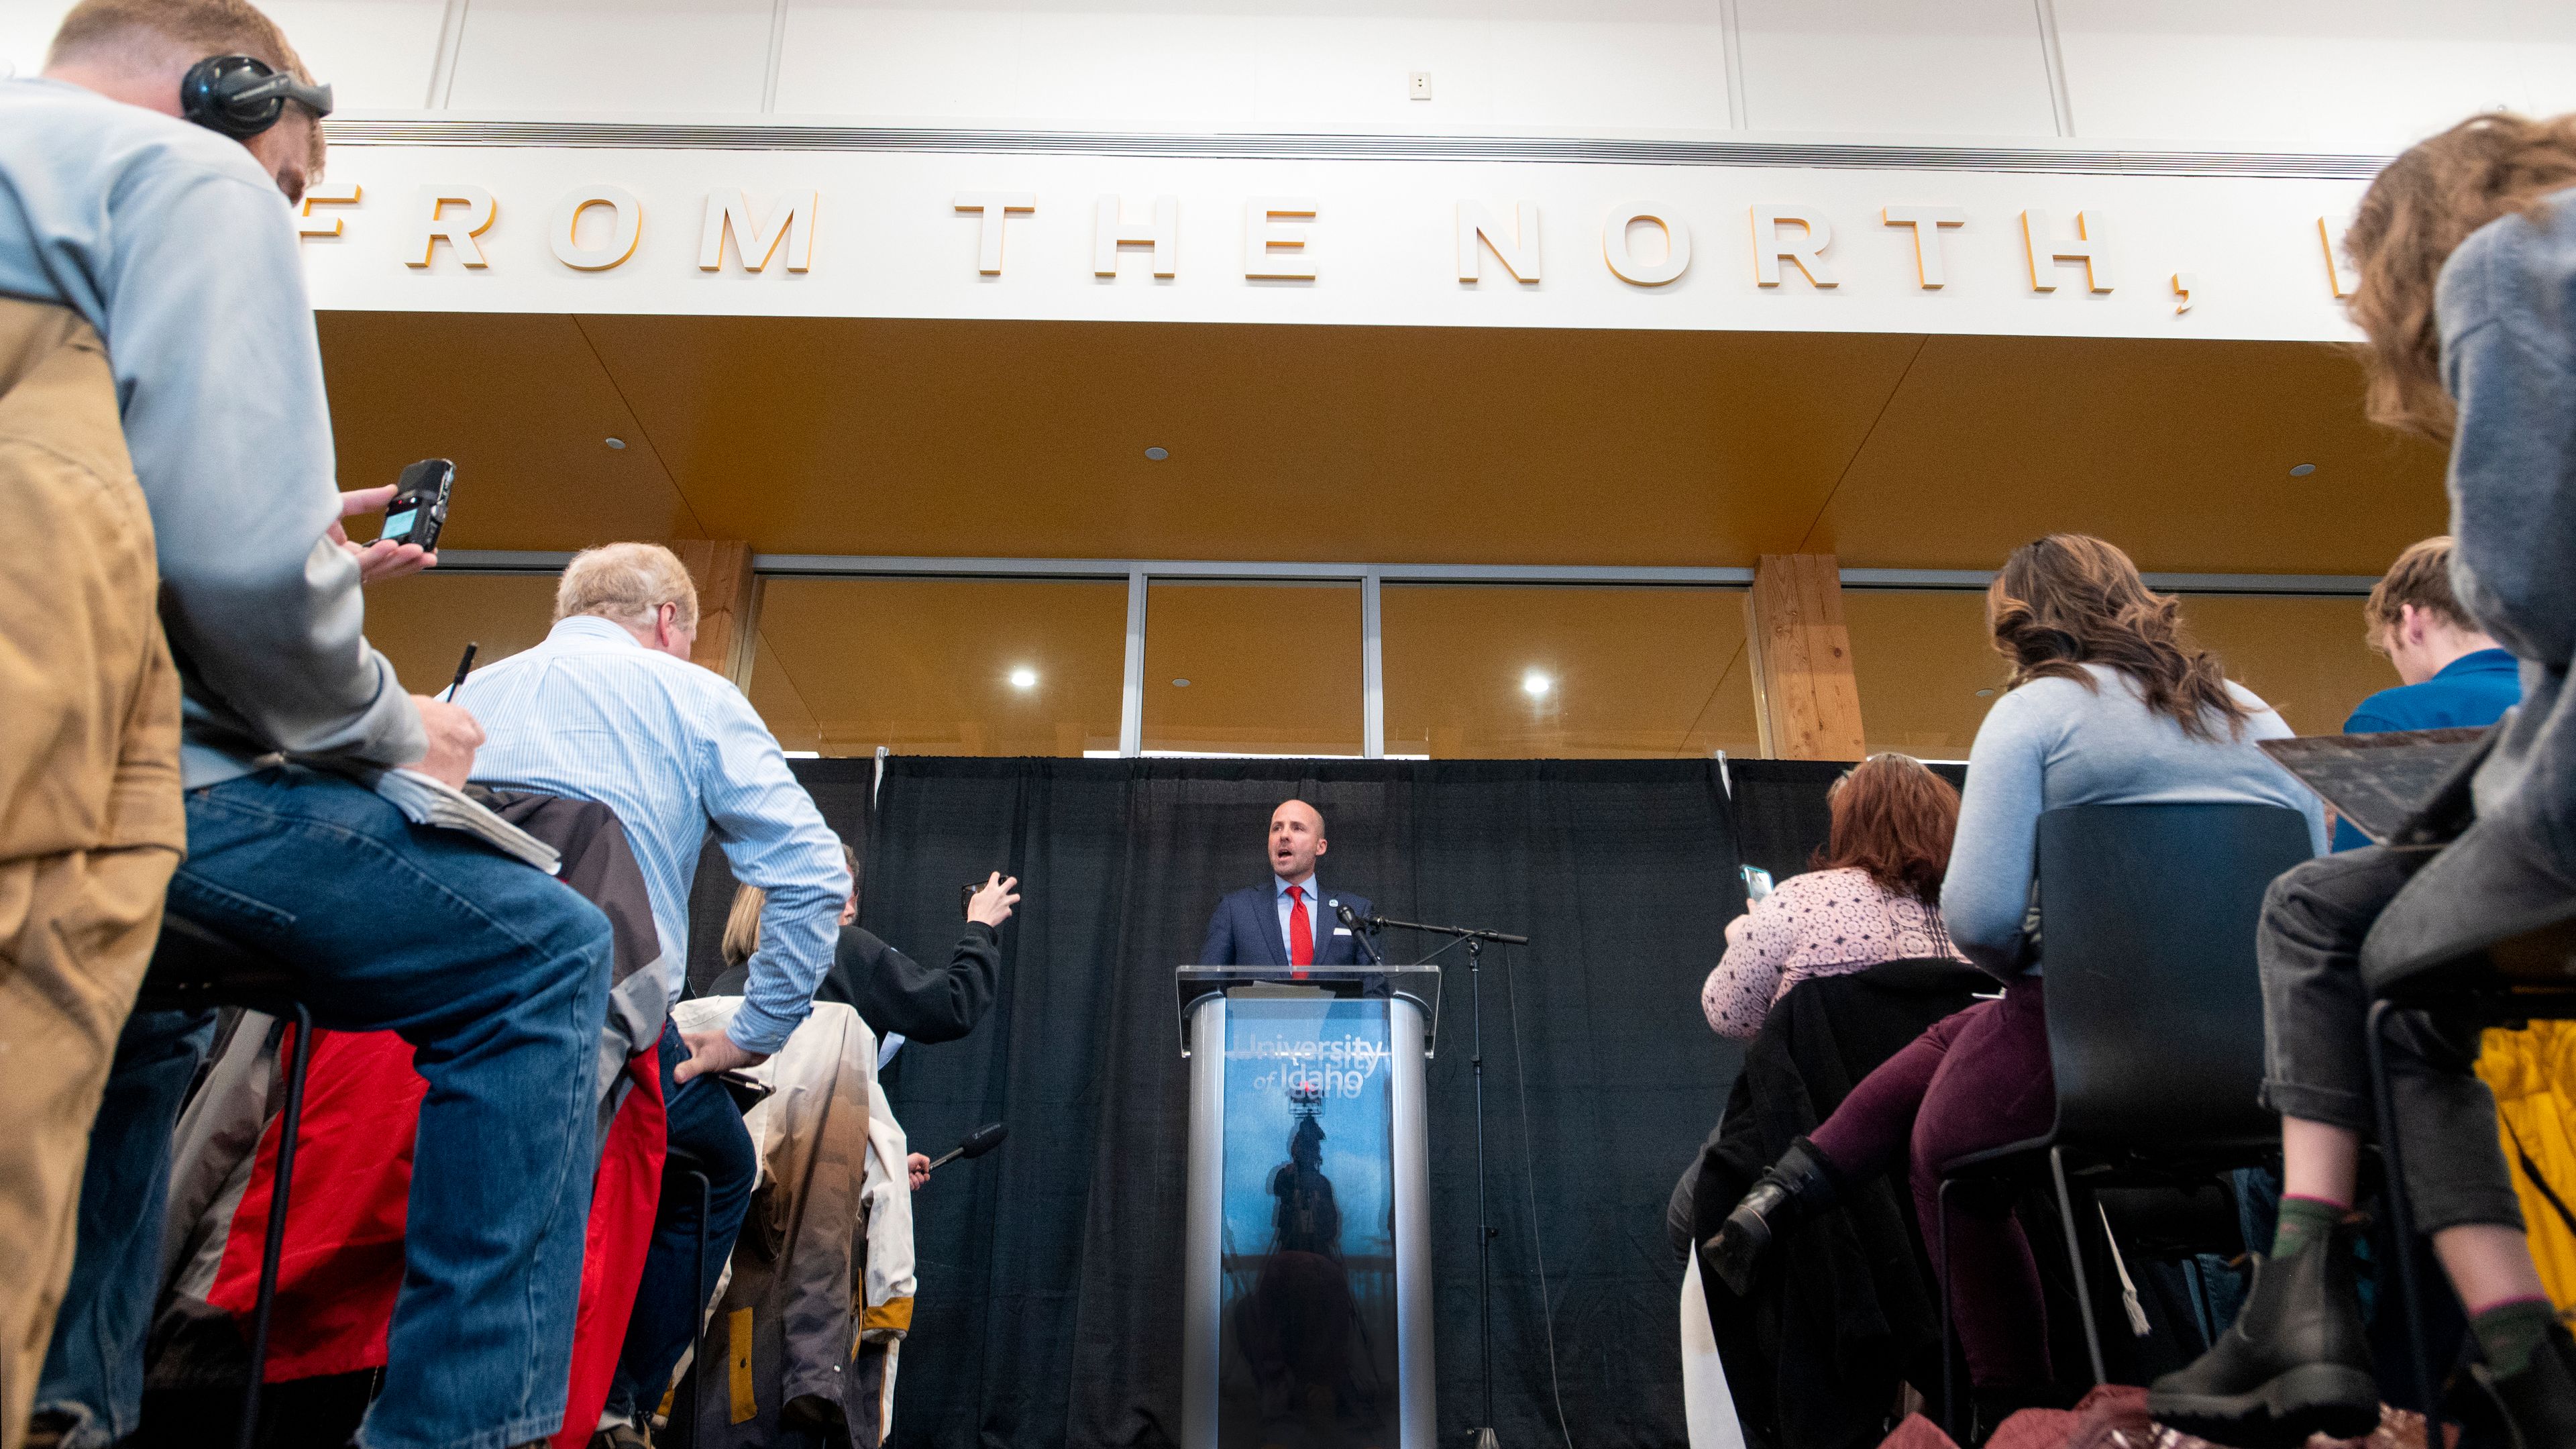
(742, 925)
(627, 583)
(741, 939)
(2415, 215)
(2422, 577)
(100, 28)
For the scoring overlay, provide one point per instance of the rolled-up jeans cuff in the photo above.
(2451, 1206)
(2333, 1106)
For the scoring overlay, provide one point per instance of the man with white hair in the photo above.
(609, 708)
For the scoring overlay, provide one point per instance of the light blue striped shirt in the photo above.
(672, 747)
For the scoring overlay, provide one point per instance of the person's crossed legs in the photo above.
(498, 977)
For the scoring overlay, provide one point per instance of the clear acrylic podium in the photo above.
(1306, 1314)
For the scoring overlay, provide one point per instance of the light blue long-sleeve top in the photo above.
(673, 748)
(172, 243)
(2052, 743)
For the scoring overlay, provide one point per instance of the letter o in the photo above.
(1614, 244)
(624, 230)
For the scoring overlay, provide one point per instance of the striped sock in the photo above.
(2511, 1331)
(2305, 1220)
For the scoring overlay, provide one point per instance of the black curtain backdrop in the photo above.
(1781, 818)
(841, 790)
(1049, 1306)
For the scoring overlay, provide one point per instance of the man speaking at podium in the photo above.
(1289, 922)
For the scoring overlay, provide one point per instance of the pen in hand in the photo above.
(464, 667)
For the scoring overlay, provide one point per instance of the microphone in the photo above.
(978, 1142)
(1359, 928)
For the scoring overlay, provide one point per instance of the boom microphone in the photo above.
(978, 1142)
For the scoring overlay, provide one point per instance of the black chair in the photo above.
(2526, 976)
(197, 969)
(681, 1160)
(2155, 1009)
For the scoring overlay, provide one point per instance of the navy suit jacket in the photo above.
(1245, 930)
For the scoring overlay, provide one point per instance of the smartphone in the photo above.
(419, 507)
(1757, 884)
(746, 1092)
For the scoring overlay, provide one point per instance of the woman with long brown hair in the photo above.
(2107, 703)
(2467, 251)
(1873, 896)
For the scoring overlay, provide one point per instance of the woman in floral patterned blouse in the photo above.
(1874, 895)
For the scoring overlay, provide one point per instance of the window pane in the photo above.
(424, 622)
(927, 666)
(2306, 657)
(1919, 657)
(1626, 671)
(1271, 669)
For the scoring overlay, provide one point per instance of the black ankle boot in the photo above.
(1790, 1191)
(2536, 1408)
(2293, 1363)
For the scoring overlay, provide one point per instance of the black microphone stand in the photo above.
(1486, 1232)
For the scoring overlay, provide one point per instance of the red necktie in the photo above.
(1301, 932)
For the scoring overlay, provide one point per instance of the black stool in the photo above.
(2527, 976)
(197, 969)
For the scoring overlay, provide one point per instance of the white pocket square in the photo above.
(1341, 930)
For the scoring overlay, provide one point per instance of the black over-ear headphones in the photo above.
(240, 96)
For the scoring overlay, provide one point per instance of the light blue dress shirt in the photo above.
(673, 748)
(1314, 913)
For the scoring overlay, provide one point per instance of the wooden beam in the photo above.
(728, 605)
(1806, 701)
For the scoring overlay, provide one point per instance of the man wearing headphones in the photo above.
(163, 435)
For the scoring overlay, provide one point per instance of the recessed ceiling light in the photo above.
(2303, 470)
(1536, 685)
(1180, 684)
(616, 444)
(1024, 678)
(1158, 454)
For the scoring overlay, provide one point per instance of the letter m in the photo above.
(791, 220)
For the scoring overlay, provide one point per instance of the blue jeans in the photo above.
(705, 1123)
(94, 1367)
(498, 977)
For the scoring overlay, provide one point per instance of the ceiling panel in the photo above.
(1388, 444)
(524, 407)
(913, 437)
(2180, 452)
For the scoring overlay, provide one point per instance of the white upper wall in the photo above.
(2310, 75)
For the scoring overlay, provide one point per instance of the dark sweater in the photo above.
(894, 993)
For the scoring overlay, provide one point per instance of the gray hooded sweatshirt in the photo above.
(2507, 307)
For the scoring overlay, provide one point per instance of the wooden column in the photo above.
(1805, 698)
(728, 605)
